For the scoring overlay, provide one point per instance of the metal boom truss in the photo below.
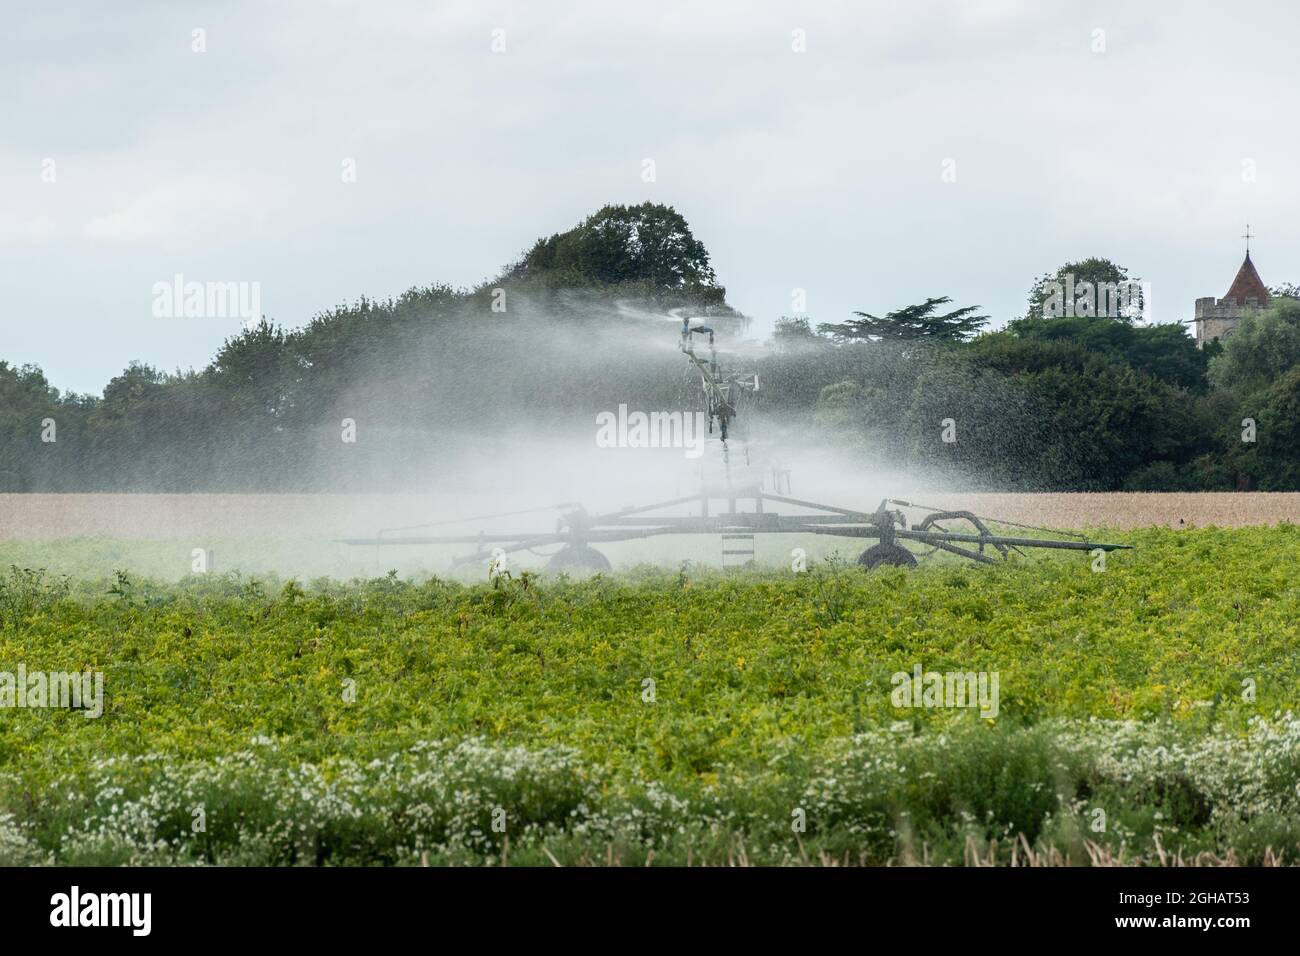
(744, 510)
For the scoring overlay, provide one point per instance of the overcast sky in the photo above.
(820, 170)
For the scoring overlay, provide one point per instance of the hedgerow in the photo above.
(879, 797)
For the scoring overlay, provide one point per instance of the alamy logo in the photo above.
(653, 430)
(207, 300)
(62, 689)
(1129, 299)
(951, 689)
(103, 909)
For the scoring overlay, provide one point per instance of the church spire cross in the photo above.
(1248, 237)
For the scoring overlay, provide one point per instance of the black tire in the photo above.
(893, 555)
(580, 558)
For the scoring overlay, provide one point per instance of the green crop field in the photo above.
(1143, 713)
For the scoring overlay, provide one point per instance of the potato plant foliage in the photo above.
(677, 716)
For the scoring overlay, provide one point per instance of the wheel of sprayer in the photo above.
(894, 555)
(578, 558)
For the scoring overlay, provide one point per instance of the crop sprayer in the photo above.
(737, 511)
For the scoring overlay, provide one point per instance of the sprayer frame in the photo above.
(577, 530)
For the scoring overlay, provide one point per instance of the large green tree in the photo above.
(1081, 285)
(1262, 347)
(649, 244)
(922, 321)
(1164, 351)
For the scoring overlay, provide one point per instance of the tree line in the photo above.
(1051, 402)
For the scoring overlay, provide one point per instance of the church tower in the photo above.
(1216, 319)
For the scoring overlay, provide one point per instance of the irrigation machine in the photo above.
(737, 510)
